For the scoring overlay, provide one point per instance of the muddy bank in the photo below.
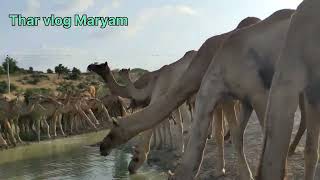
(253, 141)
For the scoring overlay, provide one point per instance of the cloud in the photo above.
(149, 14)
(114, 5)
(183, 9)
(74, 6)
(32, 8)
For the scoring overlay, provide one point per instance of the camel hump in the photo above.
(280, 15)
(248, 21)
(191, 52)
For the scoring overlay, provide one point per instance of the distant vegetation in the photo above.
(58, 79)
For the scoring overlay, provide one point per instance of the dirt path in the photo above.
(253, 141)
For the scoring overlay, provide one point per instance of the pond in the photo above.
(70, 158)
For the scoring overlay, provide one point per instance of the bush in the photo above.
(33, 91)
(2, 71)
(60, 69)
(35, 78)
(65, 87)
(4, 87)
(49, 71)
(74, 75)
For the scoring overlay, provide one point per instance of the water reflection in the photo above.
(79, 162)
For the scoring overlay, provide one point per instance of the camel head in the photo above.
(101, 69)
(124, 72)
(113, 139)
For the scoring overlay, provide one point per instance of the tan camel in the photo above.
(163, 131)
(115, 105)
(297, 72)
(130, 126)
(166, 77)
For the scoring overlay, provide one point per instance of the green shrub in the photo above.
(32, 91)
(4, 87)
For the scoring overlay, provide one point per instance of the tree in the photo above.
(30, 70)
(12, 63)
(75, 74)
(49, 71)
(60, 69)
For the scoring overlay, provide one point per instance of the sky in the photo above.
(159, 32)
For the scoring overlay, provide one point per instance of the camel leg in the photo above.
(93, 117)
(47, 127)
(160, 144)
(72, 121)
(54, 125)
(9, 130)
(212, 86)
(3, 142)
(278, 129)
(154, 139)
(84, 116)
(38, 121)
(237, 127)
(140, 152)
(178, 117)
(169, 133)
(60, 125)
(312, 142)
(17, 129)
(302, 126)
(210, 130)
(164, 134)
(219, 133)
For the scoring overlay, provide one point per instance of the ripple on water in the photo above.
(81, 163)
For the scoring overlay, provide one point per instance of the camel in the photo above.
(246, 53)
(161, 83)
(130, 126)
(253, 95)
(115, 105)
(165, 77)
(10, 111)
(297, 72)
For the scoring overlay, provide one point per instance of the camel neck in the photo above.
(115, 87)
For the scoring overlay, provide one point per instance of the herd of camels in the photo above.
(269, 66)
(69, 113)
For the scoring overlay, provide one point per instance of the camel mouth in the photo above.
(91, 67)
(132, 169)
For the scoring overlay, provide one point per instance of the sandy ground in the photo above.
(253, 141)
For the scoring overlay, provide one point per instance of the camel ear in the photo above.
(115, 121)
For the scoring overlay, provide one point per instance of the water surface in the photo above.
(68, 159)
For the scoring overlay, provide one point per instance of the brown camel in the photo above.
(255, 66)
(297, 72)
(250, 54)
